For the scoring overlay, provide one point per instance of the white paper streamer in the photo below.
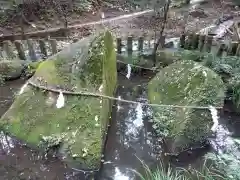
(213, 111)
(128, 71)
(60, 101)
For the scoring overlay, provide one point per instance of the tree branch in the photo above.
(166, 9)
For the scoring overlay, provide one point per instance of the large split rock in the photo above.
(185, 83)
(78, 129)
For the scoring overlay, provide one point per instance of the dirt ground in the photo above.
(52, 20)
(147, 23)
(143, 24)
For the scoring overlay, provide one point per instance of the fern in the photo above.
(228, 162)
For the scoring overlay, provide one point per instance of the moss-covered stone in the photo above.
(79, 127)
(11, 69)
(185, 83)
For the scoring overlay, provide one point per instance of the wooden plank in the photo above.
(53, 44)
(8, 48)
(20, 50)
(43, 48)
(31, 50)
(208, 43)
(119, 45)
(140, 44)
(182, 41)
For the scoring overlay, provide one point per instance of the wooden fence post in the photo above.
(20, 50)
(8, 48)
(195, 41)
(188, 44)
(238, 50)
(119, 45)
(208, 43)
(201, 42)
(221, 49)
(232, 49)
(129, 45)
(42, 47)
(140, 44)
(31, 50)
(182, 41)
(53, 44)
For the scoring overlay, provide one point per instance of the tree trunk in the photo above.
(166, 9)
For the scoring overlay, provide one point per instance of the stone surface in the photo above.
(185, 83)
(77, 129)
(11, 69)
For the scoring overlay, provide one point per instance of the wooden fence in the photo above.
(203, 43)
(31, 48)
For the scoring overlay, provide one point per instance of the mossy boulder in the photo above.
(185, 83)
(78, 129)
(11, 69)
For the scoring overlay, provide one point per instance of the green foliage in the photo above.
(160, 173)
(229, 68)
(228, 162)
(234, 85)
(169, 173)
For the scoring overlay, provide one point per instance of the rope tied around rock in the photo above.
(84, 93)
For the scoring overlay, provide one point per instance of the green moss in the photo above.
(31, 68)
(35, 119)
(185, 83)
(109, 77)
(76, 72)
(80, 126)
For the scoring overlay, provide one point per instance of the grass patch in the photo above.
(169, 173)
